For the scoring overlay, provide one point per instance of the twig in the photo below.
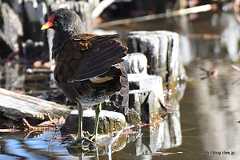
(34, 128)
(50, 118)
(10, 130)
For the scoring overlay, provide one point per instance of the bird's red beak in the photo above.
(48, 24)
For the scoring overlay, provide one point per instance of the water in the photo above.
(216, 108)
(207, 126)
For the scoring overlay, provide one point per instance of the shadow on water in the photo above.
(208, 127)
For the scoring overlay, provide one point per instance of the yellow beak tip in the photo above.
(47, 25)
(44, 27)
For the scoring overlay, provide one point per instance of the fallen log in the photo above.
(17, 106)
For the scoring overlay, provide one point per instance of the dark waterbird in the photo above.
(89, 68)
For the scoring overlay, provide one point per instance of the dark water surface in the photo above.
(207, 126)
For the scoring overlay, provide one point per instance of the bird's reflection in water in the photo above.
(108, 144)
(144, 141)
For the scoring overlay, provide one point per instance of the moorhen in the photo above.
(89, 68)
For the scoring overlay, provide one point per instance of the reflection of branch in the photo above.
(47, 125)
(100, 7)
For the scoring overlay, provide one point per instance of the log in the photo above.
(147, 98)
(162, 51)
(136, 63)
(16, 106)
(109, 122)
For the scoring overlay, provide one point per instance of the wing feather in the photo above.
(101, 53)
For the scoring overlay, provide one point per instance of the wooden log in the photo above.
(136, 63)
(16, 106)
(162, 51)
(109, 122)
(147, 98)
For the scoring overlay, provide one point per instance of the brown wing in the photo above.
(94, 55)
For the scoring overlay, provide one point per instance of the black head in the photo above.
(64, 21)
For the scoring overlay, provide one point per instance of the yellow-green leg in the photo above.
(80, 115)
(78, 143)
(97, 112)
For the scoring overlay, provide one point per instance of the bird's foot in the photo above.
(90, 137)
(83, 144)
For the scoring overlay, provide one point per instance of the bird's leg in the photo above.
(80, 115)
(97, 112)
(80, 141)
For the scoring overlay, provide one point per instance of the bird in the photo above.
(89, 68)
